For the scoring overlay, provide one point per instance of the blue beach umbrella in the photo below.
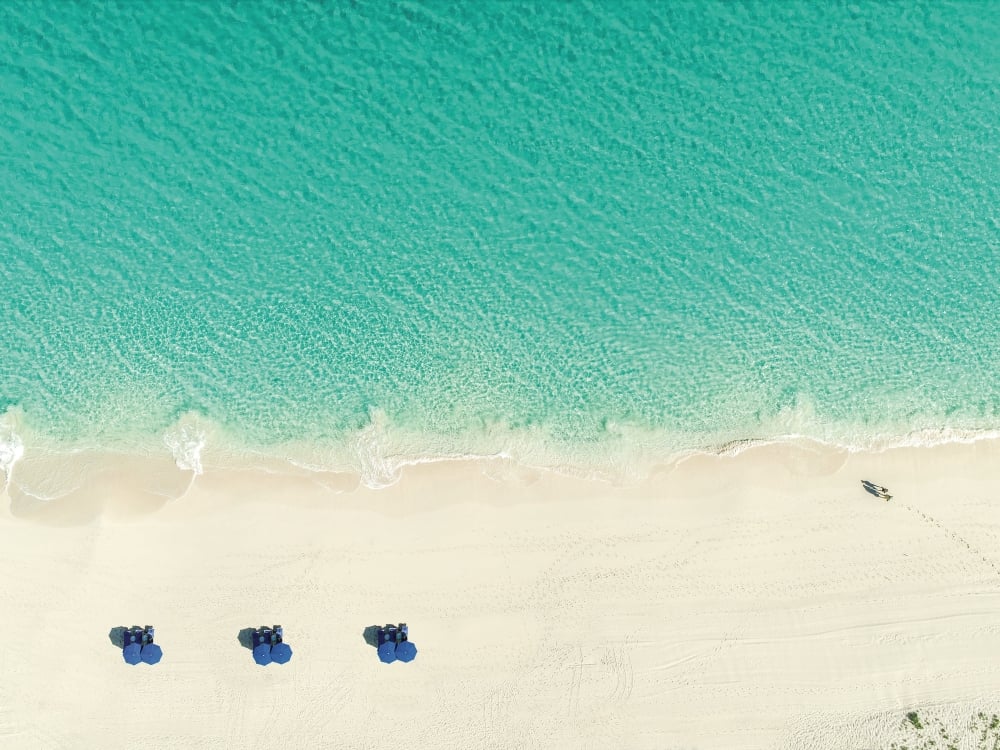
(151, 653)
(406, 651)
(262, 654)
(281, 653)
(387, 652)
(132, 653)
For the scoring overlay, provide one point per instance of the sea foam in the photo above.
(186, 440)
(11, 450)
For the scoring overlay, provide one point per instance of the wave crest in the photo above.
(186, 442)
(11, 444)
(379, 451)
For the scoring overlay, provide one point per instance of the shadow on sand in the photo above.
(876, 489)
(117, 636)
(245, 637)
(370, 634)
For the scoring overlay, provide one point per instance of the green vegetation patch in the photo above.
(984, 728)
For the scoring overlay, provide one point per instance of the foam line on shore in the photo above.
(379, 453)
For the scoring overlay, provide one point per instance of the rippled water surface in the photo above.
(562, 231)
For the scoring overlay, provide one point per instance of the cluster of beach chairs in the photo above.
(138, 646)
(394, 644)
(269, 646)
(267, 643)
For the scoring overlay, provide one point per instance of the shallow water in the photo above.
(573, 234)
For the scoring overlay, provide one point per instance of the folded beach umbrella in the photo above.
(406, 651)
(281, 653)
(151, 653)
(387, 652)
(132, 653)
(262, 654)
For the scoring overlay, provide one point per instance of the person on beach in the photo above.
(877, 489)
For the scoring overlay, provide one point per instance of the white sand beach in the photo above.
(756, 601)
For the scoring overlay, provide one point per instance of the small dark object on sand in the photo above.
(876, 489)
(874, 486)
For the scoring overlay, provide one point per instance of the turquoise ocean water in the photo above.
(354, 234)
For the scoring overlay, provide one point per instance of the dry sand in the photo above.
(756, 601)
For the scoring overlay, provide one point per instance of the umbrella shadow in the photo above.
(117, 636)
(370, 634)
(245, 637)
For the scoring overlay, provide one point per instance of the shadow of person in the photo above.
(117, 636)
(245, 637)
(370, 634)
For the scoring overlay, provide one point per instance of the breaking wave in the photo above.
(186, 441)
(379, 451)
(11, 444)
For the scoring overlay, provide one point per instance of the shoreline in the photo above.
(50, 479)
(379, 452)
(39, 474)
